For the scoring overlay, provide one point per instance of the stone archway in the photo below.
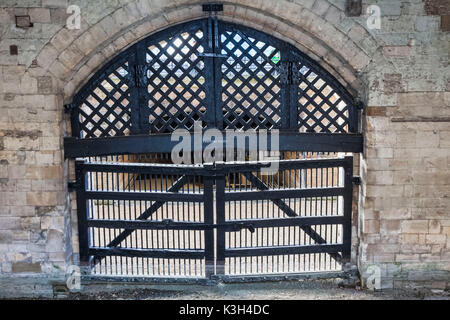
(71, 56)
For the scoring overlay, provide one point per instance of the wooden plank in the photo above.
(291, 222)
(82, 213)
(145, 225)
(283, 194)
(226, 226)
(147, 253)
(283, 250)
(145, 196)
(141, 144)
(147, 168)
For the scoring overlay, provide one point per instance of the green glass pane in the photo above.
(276, 58)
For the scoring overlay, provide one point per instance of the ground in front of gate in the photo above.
(299, 290)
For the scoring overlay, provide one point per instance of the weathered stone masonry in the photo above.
(401, 72)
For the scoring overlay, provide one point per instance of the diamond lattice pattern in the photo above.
(251, 93)
(105, 111)
(320, 107)
(176, 93)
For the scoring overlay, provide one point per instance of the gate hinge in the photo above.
(356, 180)
(68, 108)
(73, 185)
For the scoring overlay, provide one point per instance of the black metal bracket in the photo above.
(360, 105)
(212, 7)
(68, 108)
(237, 226)
(73, 185)
(356, 180)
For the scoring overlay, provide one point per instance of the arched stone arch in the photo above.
(72, 57)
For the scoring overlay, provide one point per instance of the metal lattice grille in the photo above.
(106, 110)
(176, 93)
(216, 73)
(251, 88)
(320, 107)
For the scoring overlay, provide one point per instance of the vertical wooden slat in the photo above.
(82, 210)
(209, 220)
(347, 227)
(209, 75)
(134, 64)
(220, 220)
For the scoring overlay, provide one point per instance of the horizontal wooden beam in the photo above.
(292, 221)
(144, 196)
(227, 226)
(161, 143)
(148, 253)
(283, 194)
(210, 169)
(145, 225)
(283, 250)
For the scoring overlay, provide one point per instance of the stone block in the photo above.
(414, 226)
(55, 241)
(445, 23)
(42, 198)
(22, 267)
(380, 177)
(59, 15)
(9, 223)
(390, 227)
(407, 257)
(393, 83)
(44, 172)
(44, 210)
(371, 226)
(71, 56)
(39, 15)
(376, 111)
(397, 51)
(436, 239)
(409, 238)
(391, 8)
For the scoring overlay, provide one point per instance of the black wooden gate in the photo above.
(219, 220)
(141, 218)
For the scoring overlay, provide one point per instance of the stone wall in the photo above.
(400, 71)
(405, 199)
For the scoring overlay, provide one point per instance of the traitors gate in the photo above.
(141, 216)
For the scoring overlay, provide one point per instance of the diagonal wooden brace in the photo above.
(255, 181)
(147, 213)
